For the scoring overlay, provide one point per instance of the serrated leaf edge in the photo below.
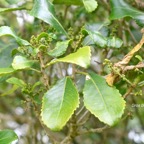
(57, 129)
(118, 118)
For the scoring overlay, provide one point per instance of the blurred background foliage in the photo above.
(15, 110)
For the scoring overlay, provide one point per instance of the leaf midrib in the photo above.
(106, 107)
(61, 101)
(137, 12)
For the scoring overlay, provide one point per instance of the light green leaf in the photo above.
(114, 42)
(44, 10)
(5, 71)
(139, 58)
(59, 103)
(120, 9)
(21, 62)
(16, 81)
(7, 136)
(81, 57)
(60, 49)
(13, 1)
(35, 85)
(14, 88)
(5, 30)
(90, 5)
(105, 102)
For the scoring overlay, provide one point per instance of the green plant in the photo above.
(53, 69)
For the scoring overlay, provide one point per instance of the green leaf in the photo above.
(35, 85)
(14, 88)
(90, 5)
(10, 9)
(16, 81)
(5, 30)
(21, 62)
(98, 38)
(105, 102)
(7, 136)
(13, 1)
(5, 71)
(60, 49)
(81, 57)
(120, 9)
(59, 103)
(68, 2)
(5, 53)
(114, 42)
(44, 10)
(139, 58)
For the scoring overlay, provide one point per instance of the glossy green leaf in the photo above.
(60, 49)
(5, 71)
(21, 62)
(59, 103)
(114, 42)
(44, 10)
(81, 57)
(98, 38)
(16, 81)
(105, 102)
(120, 9)
(90, 5)
(5, 30)
(7, 136)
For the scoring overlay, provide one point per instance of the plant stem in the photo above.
(44, 75)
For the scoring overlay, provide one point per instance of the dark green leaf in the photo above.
(44, 10)
(120, 9)
(68, 2)
(7, 136)
(105, 102)
(59, 103)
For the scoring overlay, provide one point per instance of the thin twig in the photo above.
(97, 130)
(44, 75)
